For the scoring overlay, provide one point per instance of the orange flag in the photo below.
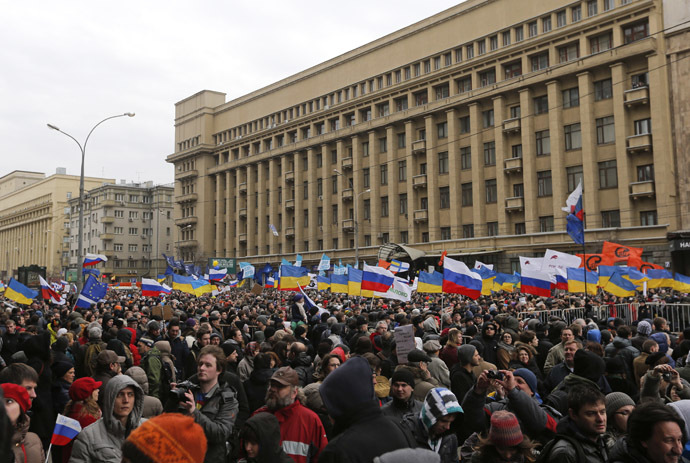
(593, 261)
(620, 253)
(443, 256)
(384, 264)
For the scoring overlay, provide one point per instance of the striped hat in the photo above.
(438, 403)
(505, 430)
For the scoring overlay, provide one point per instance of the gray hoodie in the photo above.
(102, 441)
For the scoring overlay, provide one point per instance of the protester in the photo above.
(26, 445)
(260, 440)
(504, 442)
(168, 438)
(82, 406)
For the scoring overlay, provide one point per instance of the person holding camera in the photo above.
(664, 384)
(211, 402)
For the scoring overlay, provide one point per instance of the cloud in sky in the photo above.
(74, 62)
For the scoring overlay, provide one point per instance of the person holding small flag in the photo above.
(26, 445)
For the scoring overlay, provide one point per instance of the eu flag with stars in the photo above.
(92, 292)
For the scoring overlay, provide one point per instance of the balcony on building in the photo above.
(186, 174)
(107, 219)
(639, 190)
(515, 204)
(243, 237)
(108, 253)
(636, 96)
(290, 232)
(290, 204)
(419, 146)
(243, 188)
(184, 221)
(511, 125)
(243, 212)
(347, 163)
(290, 176)
(107, 236)
(419, 181)
(186, 198)
(421, 215)
(109, 203)
(188, 243)
(348, 225)
(348, 194)
(639, 143)
(512, 165)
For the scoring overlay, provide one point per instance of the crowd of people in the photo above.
(242, 377)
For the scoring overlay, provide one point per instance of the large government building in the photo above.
(463, 132)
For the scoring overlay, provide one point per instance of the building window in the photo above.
(464, 123)
(427, 66)
(383, 109)
(576, 13)
(425, 237)
(600, 43)
(458, 55)
(610, 219)
(532, 29)
(487, 77)
(519, 34)
(447, 59)
(513, 69)
(546, 24)
(366, 183)
(119, 230)
(119, 214)
(443, 162)
(404, 237)
(403, 203)
(400, 103)
(520, 228)
(603, 90)
(384, 174)
(366, 208)
(445, 233)
(117, 247)
(437, 63)
(592, 7)
(642, 127)
(442, 91)
(465, 157)
(444, 197)
(481, 47)
(469, 51)
(574, 177)
(420, 98)
(488, 118)
(608, 5)
(561, 18)
(402, 171)
(468, 231)
(605, 130)
(546, 224)
(490, 153)
(568, 53)
(515, 112)
(491, 195)
(493, 43)
(492, 229)
(334, 184)
(645, 173)
(635, 32)
(464, 84)
(541, 104)
(466, 194)
(648, 218)
(365, 149)
(571, 97)
(506, 38)
(417, 69)
(540, 61)
(383, 145)
(133, 248)
(608, 175)
(639, 80)
(384, 206)
(133, 231)
(573, 138)
(442, 130)
(544, 184)
(516, 151)
(518, 190)
(334, 213)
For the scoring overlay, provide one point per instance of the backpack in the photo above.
(545, 454)
(166, 375)
(90, 357)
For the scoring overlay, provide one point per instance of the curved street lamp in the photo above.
(82, 148)
(356, 199)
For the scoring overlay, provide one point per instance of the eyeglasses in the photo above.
(490, 328)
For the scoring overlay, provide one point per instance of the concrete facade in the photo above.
(469, 128)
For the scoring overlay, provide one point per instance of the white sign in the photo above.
(404, 342)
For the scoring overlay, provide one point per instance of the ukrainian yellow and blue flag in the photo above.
(19, 293)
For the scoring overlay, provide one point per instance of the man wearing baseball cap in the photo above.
(301, 431)
(108, 365)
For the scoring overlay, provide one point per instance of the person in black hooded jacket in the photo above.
(361, 431)
(488, 338)
(257, 384)
(37, 350)
(260, 440)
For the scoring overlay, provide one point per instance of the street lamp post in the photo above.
(355, 220)
(80, 256)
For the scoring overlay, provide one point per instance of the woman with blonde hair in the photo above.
(449, 353)
(83, 407)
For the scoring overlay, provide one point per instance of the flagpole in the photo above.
(48, 452)
(584, 241)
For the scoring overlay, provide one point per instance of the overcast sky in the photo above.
(73, 63)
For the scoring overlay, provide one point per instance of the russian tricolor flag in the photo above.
(459, 279)
(65, 430)
(376, 279)
(93, 259)
(49, 293)
(217, 274)
(561, 279)
(151, 288)
(535, 282)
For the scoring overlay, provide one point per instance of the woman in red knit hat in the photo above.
(505, 442)
(26, 445)
(83, 407)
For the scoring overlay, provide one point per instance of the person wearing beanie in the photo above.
(640, 365)
(462, 378)
(431, 429)
(619, 406)
(360, 431)
(168, 438)
(83, 407)
(409, 456)
(260, 440)
(63, 376)
(123, 403)
(86, 354)
(644, 329)
(26, 445)
(505, 442)
(402, 386)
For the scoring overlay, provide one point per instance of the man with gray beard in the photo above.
(301, 431)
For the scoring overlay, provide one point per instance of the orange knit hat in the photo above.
(168, 438)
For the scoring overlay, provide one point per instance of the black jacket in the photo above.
(461, 381)
(564, 452)
(256, 386)
(266, 428)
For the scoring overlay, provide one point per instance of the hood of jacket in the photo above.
(438, 403)
(266, 428)
(573, 380)
(139, 375)
(347, 387)
(621, 343)
(302, 360)
(38, 346)
(262, 375)
(114, 386)
(430, 326)
(125, 336)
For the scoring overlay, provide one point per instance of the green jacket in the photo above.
(153, 366)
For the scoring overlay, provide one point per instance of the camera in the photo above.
(494, 374)
(179, 392)
(666, 377)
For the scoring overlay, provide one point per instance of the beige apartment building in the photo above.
(130, 223)
(34, 220)
(463, 132)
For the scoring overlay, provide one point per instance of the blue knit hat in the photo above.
(529, 378)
